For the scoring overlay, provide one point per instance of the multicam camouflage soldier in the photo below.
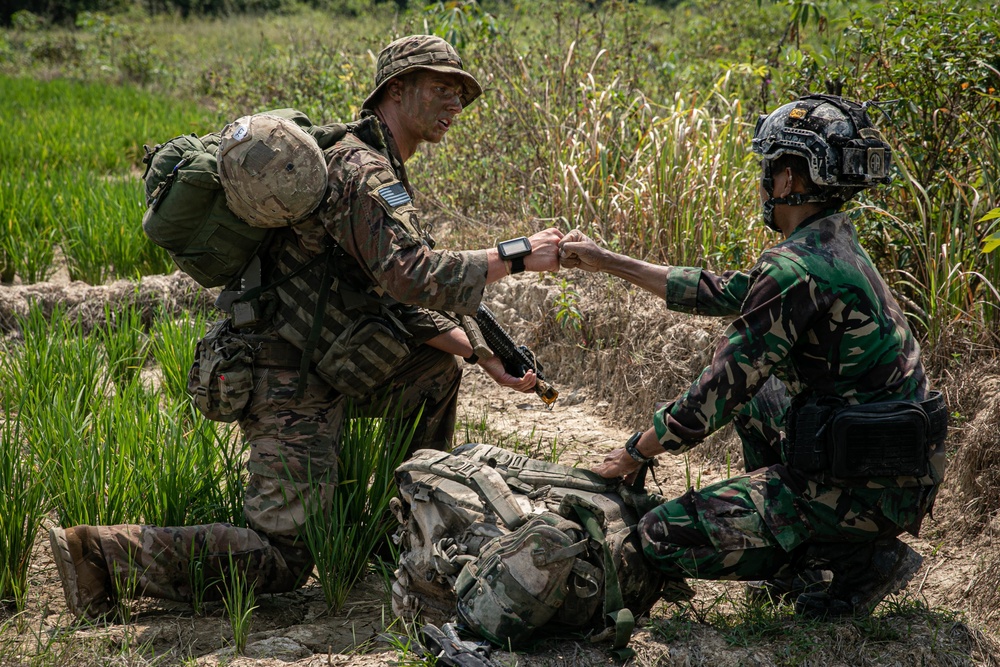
(355, 303)
(817, 338)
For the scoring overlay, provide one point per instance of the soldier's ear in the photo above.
(394, 89)
(785, 181)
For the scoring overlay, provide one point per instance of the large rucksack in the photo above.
(187, 212)
(509, 544)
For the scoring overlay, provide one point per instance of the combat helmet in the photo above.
(272, 171)
(844, 152)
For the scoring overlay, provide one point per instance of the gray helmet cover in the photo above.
(272, 171)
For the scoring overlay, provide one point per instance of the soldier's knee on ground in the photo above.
(670, 527)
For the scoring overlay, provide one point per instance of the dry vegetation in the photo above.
(948, 616)
(630, 120)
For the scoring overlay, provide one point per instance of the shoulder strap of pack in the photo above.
(622, 622)
(535, 473)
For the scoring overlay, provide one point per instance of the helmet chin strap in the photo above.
(794, 199)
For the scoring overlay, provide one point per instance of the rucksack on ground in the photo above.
(509, 544)
(187, 211)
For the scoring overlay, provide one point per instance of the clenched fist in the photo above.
(577, 251)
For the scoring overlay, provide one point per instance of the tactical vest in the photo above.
(328, 308)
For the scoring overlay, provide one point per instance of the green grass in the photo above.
(632, 122)
(118, 449)
(343, 529)
(23, 506)
(70, 161)
(240, 602)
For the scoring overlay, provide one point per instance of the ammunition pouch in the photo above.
(220, 380)
(885, 439)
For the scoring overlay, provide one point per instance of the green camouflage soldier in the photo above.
(821, 375)
(388, 336)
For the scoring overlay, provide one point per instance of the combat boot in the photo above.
(863, 579)
(788, 587)
(676, 590)
(84, 573)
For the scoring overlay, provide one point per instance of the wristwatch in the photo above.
(515, 250)
(632, 449)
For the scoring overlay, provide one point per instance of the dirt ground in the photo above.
(611, 363)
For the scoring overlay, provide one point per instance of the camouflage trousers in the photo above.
(773, 520)
(294, 444)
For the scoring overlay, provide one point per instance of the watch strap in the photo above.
(517, 265)
(632, 449)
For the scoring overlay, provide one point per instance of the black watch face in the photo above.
(514, 248)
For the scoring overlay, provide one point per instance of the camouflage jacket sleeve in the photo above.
(817, 315)
(370, 213)
(776, 308)
(699, 292)
(422, 324)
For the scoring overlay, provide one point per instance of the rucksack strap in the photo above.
(622, 620)
(317, 324)
(536, 474)
(482, 478)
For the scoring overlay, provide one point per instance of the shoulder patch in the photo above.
(394, 194)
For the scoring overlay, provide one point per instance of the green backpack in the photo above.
(186, 210)
(509, 545)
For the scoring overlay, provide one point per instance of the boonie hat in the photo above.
(421, 52)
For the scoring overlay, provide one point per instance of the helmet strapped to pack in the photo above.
(273, 172)
(844, 152)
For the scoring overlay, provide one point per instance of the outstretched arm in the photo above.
(577, 251)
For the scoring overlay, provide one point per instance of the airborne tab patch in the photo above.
(395, 195)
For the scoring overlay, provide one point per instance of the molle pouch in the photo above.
(806, 447)
(518, 583)
(220, 380)
(889, 439)
(362, 357)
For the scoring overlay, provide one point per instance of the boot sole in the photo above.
(67, 571)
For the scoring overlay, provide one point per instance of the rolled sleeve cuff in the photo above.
(669, 437)
(682, 288)
(479, 266)
(423, 324)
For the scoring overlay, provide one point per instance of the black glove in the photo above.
(444, 644)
